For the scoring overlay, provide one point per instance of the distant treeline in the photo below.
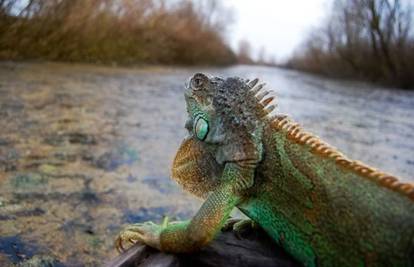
(115, 31)
(366, 39)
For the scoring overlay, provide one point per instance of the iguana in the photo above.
(321, 207)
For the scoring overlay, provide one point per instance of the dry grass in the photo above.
(115, 31)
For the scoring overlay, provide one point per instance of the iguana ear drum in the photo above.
(201, 129)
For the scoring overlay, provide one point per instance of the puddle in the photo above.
(15, 249)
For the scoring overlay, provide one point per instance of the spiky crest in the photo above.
(265, 100)
(295, 133)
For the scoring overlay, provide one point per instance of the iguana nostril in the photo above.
(198, 81)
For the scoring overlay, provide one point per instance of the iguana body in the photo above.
(323, 208)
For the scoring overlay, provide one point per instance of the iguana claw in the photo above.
(147, 233)
(239, 226)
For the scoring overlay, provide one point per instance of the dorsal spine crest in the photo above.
(295, 133)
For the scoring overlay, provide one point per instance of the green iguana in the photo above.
(321, 207)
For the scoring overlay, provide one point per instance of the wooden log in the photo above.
(253, 249)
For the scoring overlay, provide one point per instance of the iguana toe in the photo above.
(239, 226)
(147, 233)
(228, 225)
(129, 234)
(243, 226)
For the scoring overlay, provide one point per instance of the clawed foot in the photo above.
(239, 226)
(147, 233)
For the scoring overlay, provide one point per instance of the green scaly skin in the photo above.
(322, 208)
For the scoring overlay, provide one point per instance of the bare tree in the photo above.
(261, 58)
(244, 54)
(363, 38)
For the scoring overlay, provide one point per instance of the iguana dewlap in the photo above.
(321, 207)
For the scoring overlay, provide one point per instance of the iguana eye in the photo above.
(201, 129)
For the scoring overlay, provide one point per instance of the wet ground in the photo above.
(86, 149)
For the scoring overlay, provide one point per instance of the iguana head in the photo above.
(225, 124)
(226, 115)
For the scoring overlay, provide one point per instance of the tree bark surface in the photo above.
(254, 248)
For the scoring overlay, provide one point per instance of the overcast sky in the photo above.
(278, 25)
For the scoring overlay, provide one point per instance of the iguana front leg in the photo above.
(191, 235)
